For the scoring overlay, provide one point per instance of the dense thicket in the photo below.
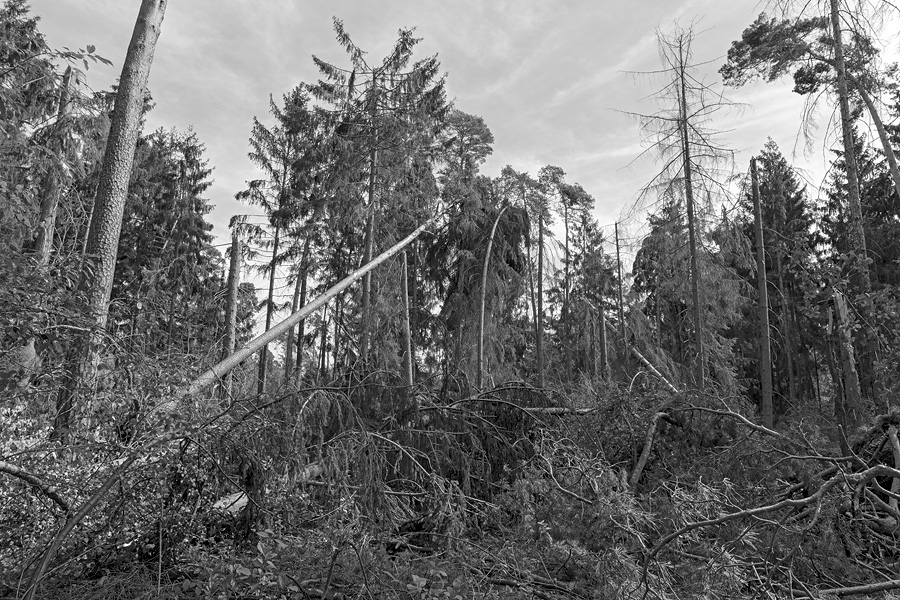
(508, 406)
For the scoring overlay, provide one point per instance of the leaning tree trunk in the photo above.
(484, 272)
(109, 207)
(882, 134)
(209, 377)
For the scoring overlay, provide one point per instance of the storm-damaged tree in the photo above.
(386, 117)
(811, 46)
(109, 206)
(680, 134)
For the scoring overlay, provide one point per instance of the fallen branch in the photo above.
(851, 480)
(864, 589)
(35, 481)
(754, 426)
(653, 370)
(645, 453)
(558, 410)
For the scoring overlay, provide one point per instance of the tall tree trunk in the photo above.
(270, 309)
(234, 282)
(621, 302)
(857, 232)
(109, 206)
(366, 301)
(567, 350)
(765, 345)
(323, 347)
(289, 363)
(530, 267)
(604, 352)
(786, 308)
(692, 225)
(407, 333)
(539, 325)
(484, 271)
(50, 200)
(658, 319)
(337, 314)
(301, 325)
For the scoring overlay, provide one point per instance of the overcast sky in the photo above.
(548, 77)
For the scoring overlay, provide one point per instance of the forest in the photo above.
(468, 390)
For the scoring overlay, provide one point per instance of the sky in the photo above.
(551, 79)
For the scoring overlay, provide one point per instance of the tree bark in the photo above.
(850, 410)
(109, 206)
(765, 345)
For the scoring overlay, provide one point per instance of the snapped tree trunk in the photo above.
(765, 347)
(850, 410)
(109, 205)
